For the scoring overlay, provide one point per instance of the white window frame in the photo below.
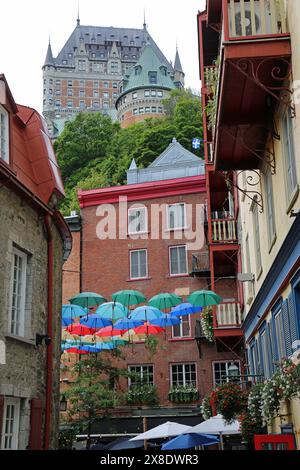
(14, 330)
(8, 402)
(176, 225)
(180, 325)
(170, 263)
(4, 134)
(130, 263)
(142, 367)
(184, 364)
(227, 364)
(145, 228)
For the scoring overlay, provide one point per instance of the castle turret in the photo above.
(179, 74)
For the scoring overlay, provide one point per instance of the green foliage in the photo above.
(142, 394)
(94, 152)
(183, 394)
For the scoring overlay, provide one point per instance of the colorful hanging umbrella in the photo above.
(87, 299)
(165, 300)
(91, 339)
(166, 320)
(204, 298)
(132, 337)
(68, 336)
(95, 321)
(80, 330)
(73, 311)
(98, 348)
(109, 331)
(75, 351)
(148, 329)
(66, 322)
(184, 309)
(145, 313)
(127, 324)
(112, 311)
(129, 297)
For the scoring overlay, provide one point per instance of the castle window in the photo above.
(141, 110)
(57, 103)
(160, 94)
(147, 109)
(4, 133)
(153, 109)
(134, 95)
(70, 92)
(106, 85)
(153, 92)
(135, 111)
(152, 77)
(70, 83)
(70, 104)
(115, 85)
(147, 93)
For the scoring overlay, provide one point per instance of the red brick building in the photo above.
(157, 243)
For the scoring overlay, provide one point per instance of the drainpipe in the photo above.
(49, 376)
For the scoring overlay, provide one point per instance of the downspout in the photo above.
(49, 376)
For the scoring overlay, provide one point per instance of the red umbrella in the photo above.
(76, 351)
(109, 331)
(148, 329)
(80, 330)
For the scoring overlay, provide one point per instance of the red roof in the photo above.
(31, 155)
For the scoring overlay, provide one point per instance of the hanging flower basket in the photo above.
(207, 323)
(183, 394)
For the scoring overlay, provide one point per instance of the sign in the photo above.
(196, 143)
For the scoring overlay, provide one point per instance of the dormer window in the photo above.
(164, 70)
(152, 77)
(4, 135)
(138, 70)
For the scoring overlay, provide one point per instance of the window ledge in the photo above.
(139, 279)
(178, 275)
(293, 199)
(20, 339)
(187, 338)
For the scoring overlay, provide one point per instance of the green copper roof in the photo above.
(140, 74)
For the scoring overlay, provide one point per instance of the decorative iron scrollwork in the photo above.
(257, 69)
(253, 179)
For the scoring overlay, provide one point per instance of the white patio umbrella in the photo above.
(167, 429)
(218, 426)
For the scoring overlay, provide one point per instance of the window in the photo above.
(57, 92)
(153, 93)
(141, 110)
(105, 105)
(70, 83)
(135, 111)
(176, 216)
(70, 104)
(153, 109)
(18, 293)
(160, 94)
(183, 374)
(96, 94)
(57, 82)
(152, 77)
(81, 93)
(178, 260)
(96, 84)
(182, 330)
(81, 83)
(160, 110)
(137, 220)
(141, 374)
(10, 426)
(256, 237)
(265, 351)
(134, 95)
(96, 104)
(115, 85)
(106, 85)
(147, 109)
(4, 135)
(147, 93)
(288, 148)
(70, 92)
(57, 103)
(279, 330)
(138, 264)
(82, 65)
(270, 208)
(81, 104)
(105, 94)
(221, 372)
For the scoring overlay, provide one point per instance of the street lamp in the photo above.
(63, 404)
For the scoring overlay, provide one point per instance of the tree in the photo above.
(93, 393)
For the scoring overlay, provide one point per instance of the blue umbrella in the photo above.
(187, 441)
(145, 313)
(94, 348)
(73, 311)
(95, 321)
(112, 311)
(184, 309)
(66, 321)
(166, 320)
(127, 324)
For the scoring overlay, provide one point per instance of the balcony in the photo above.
(228, 315)
(200, 264)
(224, 231)
(255, 70)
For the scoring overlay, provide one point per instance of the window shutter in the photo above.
(260, 356)
(272, 335)
(270, 348)
(250, 361)
(1, 415)
(286, 328)
(293, 319)
(36, 419)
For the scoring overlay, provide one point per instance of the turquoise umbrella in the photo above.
(165, 300)
(73, 311)
(166, 320)
(87, 299)
(112, 311)
(145, 313)
(129, 297)
(204, 298)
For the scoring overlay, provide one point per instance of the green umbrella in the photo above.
(204, 298)
(165, 300)
(87, 299)
(129, 297)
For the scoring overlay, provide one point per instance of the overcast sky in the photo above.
(26, 25)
